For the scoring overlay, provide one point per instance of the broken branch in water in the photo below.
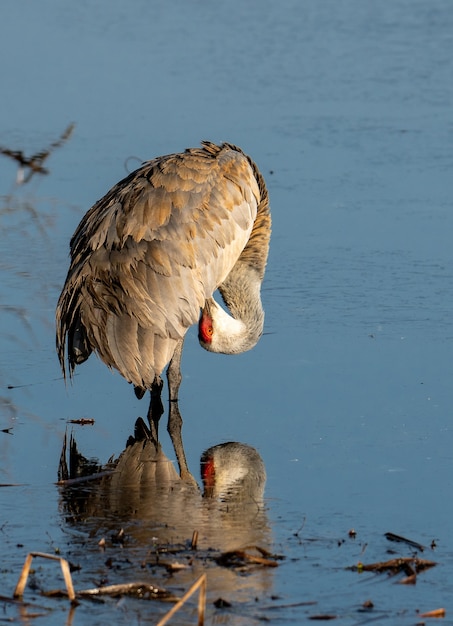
(142, 590)
(409, 542)
(241, 558)
(409, 565)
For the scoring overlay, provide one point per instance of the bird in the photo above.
(146, 260)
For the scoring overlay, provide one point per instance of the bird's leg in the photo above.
(174, 425)
(174, 429)
(174, 377)
(155, 409)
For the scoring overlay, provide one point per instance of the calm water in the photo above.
(347, 109)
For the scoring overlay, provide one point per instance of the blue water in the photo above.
(346, 108)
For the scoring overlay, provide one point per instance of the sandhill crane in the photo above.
(147, 258)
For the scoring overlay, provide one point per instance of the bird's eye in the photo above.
(209, 331)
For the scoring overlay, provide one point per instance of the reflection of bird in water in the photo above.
(145, 494)
(233, 471)
(146, 516)
(35, 163)
(148, 256)
(230, 471)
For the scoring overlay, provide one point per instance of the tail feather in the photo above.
(78, 346)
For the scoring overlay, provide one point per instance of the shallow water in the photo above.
(346, 108)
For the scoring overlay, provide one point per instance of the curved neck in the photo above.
(241, 292)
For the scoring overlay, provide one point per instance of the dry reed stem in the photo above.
(200, 583)
(141, 589)
(409, 580)
(19, 590)
(435, 613)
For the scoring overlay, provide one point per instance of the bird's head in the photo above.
(220, 332)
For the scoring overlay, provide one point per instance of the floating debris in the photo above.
(409, 542)
(82, 421)
(176, 567)
(137, 589)
(408, 565)
(435, 613)
(243, 558)
(141, 590)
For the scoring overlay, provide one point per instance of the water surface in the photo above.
(346, 108)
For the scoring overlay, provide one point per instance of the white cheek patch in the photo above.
(228, 332)
(227, 325)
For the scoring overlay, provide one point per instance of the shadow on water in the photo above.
(134, 518)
